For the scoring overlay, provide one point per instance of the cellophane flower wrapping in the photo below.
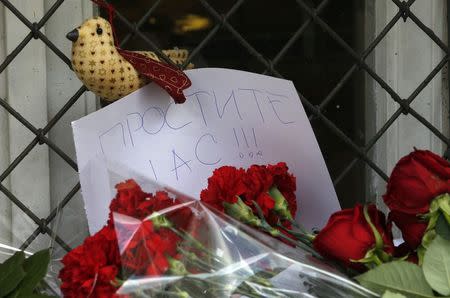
(158, 242)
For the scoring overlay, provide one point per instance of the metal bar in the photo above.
(10, 57)
(405, 106)
(212, 33)
(41, 137)
(394, 117)
(310, 106)
(52, 215)
(359, 151)
(404, 8)
(364, 55)
(296, 35)
(152, 45)
(447, 152)
(33, 216)
(35, 27)
(141, 22)
(18, 159)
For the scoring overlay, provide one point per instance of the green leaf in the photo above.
(36, 268)
(442, 227)
(436, 265)
(389, 294)
(398, 276)
(14, 261)
(11, 273)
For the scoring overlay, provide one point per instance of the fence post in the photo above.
(5, 204)
(404, 58)
(26, 92)
(61, 85)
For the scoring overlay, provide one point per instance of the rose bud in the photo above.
(415, 181)
(411, 226)
(351, 239)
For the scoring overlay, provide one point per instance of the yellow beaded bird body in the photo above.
(99, 65)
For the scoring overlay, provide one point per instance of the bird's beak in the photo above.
(72, 35)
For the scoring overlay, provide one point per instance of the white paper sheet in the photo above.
(230, 118)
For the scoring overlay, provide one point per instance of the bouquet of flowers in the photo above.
(159, 243)
(358, 241)
(240, 239)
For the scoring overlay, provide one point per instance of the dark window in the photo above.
(314, 61)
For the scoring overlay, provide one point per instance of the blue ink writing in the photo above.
(182, 164)
(256, 100)
(273, 101)
(211, 137)
(159, 113)
(168, 124)
(119, 125)
(197, 97)
(141, 122)
(153, 170)
(225, 105)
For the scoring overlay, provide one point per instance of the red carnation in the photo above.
(415, 181)
(257, 180)
(147, 251)
(347, 237)
(223, 186)
(235, 191)
(130, 200)
(286, 184)
(163, 203)
(266, 203)
(91, 268)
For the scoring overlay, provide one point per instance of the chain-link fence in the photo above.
(360, 153)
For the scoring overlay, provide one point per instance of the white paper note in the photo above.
(230, 118)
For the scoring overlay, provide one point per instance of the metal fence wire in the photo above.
(221, 22)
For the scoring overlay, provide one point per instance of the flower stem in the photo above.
(197, 244)
(378, 240)
(304, 237)
(265, 226)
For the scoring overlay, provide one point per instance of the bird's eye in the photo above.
(99, 31)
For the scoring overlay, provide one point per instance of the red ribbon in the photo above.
(111, 13)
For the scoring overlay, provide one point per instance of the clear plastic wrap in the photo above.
(157, 242)
(173, 245)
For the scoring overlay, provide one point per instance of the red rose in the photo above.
(90, 269)
(412, 227)
(403, 250)
(415, 181)
(347, 236)
(223, 186)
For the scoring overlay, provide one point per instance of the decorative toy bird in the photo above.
(112, 73)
